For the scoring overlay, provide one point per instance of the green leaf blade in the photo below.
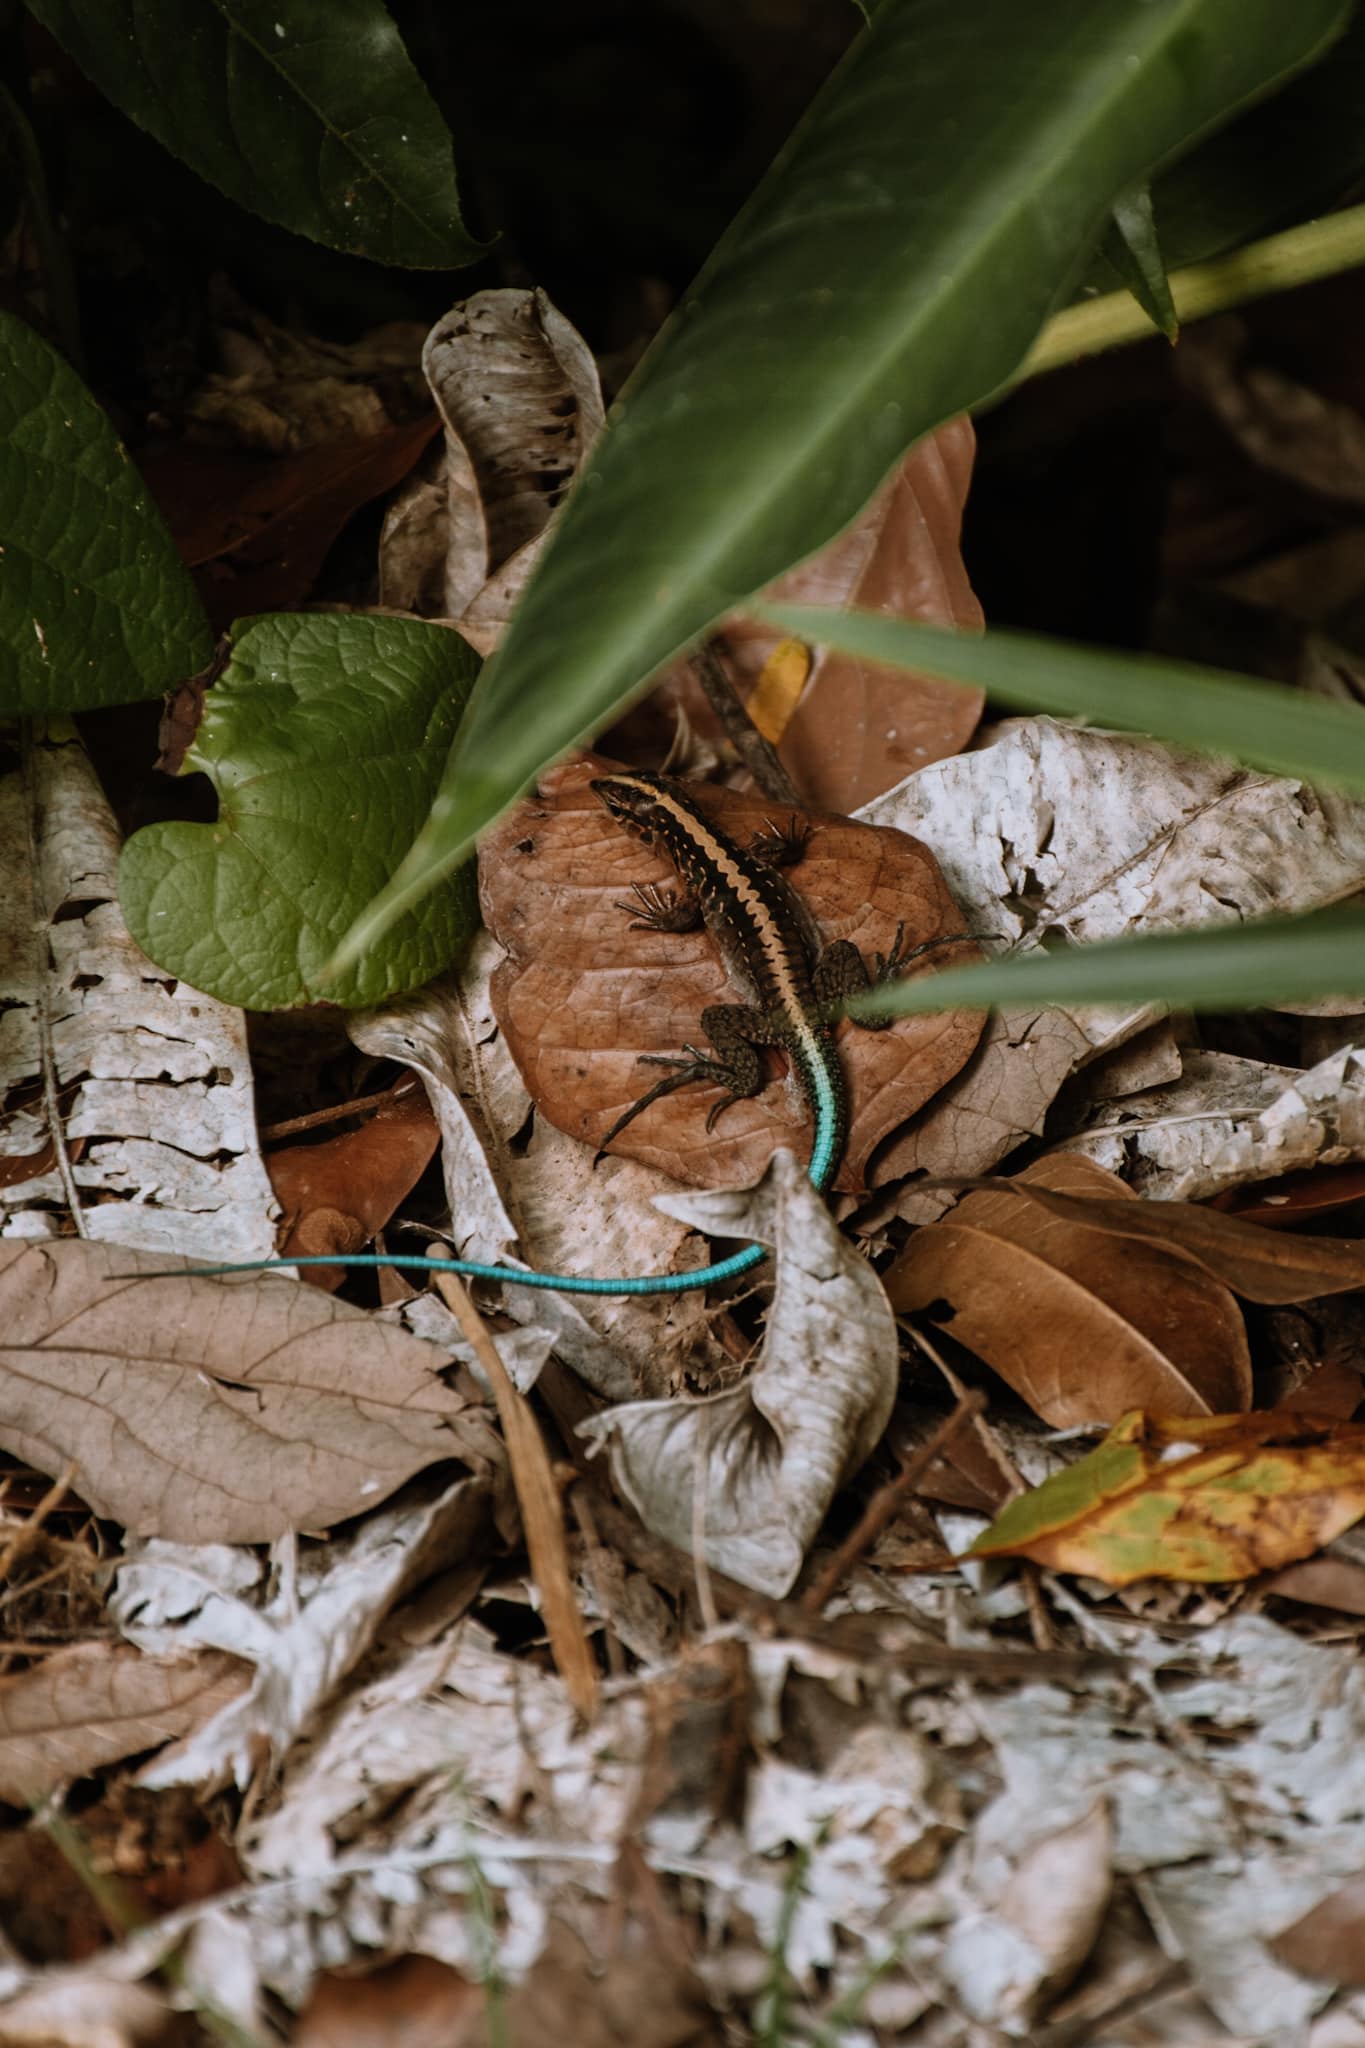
(324, 738)
(95, 605)
(307, 112)
(1221, 967)
(1265, 724)
(891, 270)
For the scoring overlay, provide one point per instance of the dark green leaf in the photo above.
(95, 607)
(1223, 967)
(1266, 724)
(1131, 245)
(308, 112)
(893, 267)
(324, 739)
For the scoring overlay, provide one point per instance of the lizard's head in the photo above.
(632, 800)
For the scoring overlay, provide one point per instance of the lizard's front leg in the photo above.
(736, 1032)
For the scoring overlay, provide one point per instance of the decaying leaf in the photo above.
(337, 1193)
(1084, 1325)
(307, 1635)
(749, 1474)
(215, 1410)
(1228, 1121)
(858, 728)
(1055, 832)
(582, 997)
(93, 1703)
(1208, 1498)
(518, 392)
(153, 1079)
(256, 530)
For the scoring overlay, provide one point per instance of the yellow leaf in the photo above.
(777, 692)
(1213, 1497)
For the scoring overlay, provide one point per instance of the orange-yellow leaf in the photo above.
(777, 692)
(1214, 1497)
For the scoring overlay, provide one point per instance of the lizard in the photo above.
(772, 945)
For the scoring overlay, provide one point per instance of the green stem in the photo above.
(1319, 248)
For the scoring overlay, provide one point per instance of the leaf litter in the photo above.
(779, 1806)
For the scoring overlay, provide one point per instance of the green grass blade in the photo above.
(1266, 724)
(1223, 967)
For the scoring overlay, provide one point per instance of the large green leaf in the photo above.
(892, 268)
(1265, 724)
(308, 112)
(324, 738)
(95, 607)
(1226, 967)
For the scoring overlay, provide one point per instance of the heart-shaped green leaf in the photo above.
(308, 112)
(325, 739)
(892, 269)
(95, 607)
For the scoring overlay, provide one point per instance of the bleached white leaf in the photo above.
(1228, 1121)
(1058, 832)
(155, 1078)
(303, 1641)
(769, 1455)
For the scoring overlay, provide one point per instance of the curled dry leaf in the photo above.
(211, 1410)
(93, 1703)
(755, 1469)
(153, 1078)
(581, 996)
(858, 728)
(336, 1194)
(518, 392)
(1209, 1499)
(1083, 1325)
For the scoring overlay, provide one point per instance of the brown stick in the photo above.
(885, 1503)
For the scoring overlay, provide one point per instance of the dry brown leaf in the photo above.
(93, 1703)
(417, 2000)
(214, 1411)
(1056, 1898)
(1268, 1266)
(642, 1994)
(859, 728)
(1324, 1581)
(338, 1193)
(256, 530)
(581, 996)
(1082, 1326)
(1329, 1941)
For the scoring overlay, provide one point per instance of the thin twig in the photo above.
(24, 1538)
(42, 960)
(357, 1106)
(542, 1517)
(885, 1504)
(758, 755)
